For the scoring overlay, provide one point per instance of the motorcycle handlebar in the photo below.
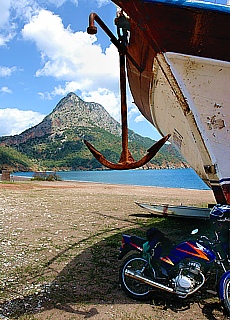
(213, 241)
(204, 237)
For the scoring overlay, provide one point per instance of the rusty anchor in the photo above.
(126, 159)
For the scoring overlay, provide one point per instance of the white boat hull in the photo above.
(190, 99)
(176, 211)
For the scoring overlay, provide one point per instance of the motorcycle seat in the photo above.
(138, 240)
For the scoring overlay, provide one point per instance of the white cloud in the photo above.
(6, 71)
(45, 95)
(7, 35)
(67, 55)
(139, 118)
(71, 86)
(11, 11)
(106, 98)
(4, 12)
(24, 9)
(5, 90)
(59, 3)
(15, 121)
(102, 2)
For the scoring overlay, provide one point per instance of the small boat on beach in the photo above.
(166, 210)
(178, 66)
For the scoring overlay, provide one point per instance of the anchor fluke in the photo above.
(126, 161)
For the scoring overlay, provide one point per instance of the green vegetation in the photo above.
(11, 159)
(67, 151)
(43, 176)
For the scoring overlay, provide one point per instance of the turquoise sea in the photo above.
(166, 178)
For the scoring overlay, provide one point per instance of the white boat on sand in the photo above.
(166, 210)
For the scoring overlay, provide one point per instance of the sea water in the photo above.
(166, 178)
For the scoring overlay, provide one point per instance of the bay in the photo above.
(166, 178)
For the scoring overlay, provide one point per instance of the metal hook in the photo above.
(126, 159)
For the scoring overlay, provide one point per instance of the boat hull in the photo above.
(199, 127)
(176, 211)
(181, 84)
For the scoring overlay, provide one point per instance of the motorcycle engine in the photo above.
(185, 281)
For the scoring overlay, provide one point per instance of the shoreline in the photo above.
(182, 179)
(15, 178)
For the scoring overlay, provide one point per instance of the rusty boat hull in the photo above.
(179, 78)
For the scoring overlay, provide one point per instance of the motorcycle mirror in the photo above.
(194, 231)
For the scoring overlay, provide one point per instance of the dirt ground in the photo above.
(59, 247)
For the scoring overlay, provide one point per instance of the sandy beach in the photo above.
(150, 194)
(59, 247)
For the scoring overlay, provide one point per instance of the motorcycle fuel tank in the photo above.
(189, 249)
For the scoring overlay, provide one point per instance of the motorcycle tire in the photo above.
(135, 289)
(226, 301)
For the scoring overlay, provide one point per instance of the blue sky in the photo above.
(46, 53)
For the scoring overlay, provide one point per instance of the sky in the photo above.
(46, 53)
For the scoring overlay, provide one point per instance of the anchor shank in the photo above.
(124, 121)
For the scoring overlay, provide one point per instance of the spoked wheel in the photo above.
(135, 289)
(226, 300)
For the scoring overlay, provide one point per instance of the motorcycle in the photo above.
(180, 269)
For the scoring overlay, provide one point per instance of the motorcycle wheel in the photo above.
(133, 288)
(226, 301)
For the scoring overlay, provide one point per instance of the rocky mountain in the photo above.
(70, 112)
(57, 142)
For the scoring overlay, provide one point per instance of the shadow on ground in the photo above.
(92, 278)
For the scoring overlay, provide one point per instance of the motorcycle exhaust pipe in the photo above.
(157, 285)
